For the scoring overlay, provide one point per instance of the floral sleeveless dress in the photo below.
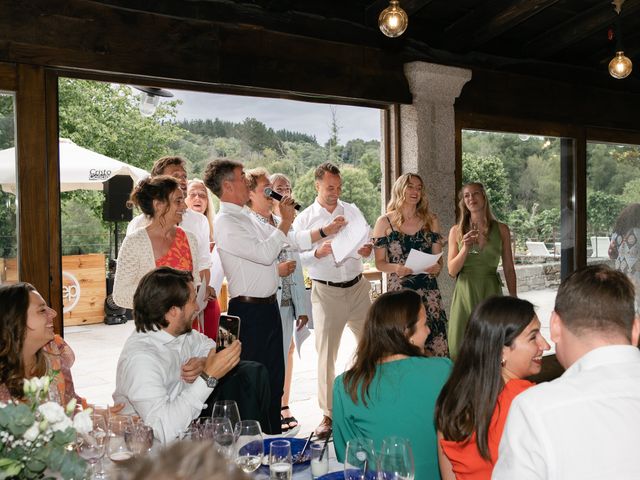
(398, 246)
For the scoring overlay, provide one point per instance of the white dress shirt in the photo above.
(326, 268)
(192, 222)
(249, 251)
(148, 380)
(584, 425)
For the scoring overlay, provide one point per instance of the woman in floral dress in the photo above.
(408, 224)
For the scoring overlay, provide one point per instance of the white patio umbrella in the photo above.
(80, 168)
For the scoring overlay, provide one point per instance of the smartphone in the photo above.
(228, 331)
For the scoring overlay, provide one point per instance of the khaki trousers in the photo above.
(333, 308)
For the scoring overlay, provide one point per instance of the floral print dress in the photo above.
(398, 246)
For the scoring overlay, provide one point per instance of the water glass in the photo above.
(319, 459)
(396, 460)
(249, 445)
(139, 438)
(91, 446)
(280, 464)
(226, 409)
(360, 460)
(117, 449)
(222, 436)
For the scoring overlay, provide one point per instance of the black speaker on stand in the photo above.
(116, 193)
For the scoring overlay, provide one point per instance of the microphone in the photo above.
(276, 196)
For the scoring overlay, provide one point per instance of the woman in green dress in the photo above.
(476, 245)
(392, 388)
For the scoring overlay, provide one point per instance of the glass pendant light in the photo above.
(393, 20)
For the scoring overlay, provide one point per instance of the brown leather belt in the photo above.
(347, 284)
(264, 300)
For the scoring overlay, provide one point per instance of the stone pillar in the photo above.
(427, 141)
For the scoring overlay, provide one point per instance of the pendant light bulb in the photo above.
(393, 20)
(620, 66)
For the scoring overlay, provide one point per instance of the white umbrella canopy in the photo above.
(80, 168)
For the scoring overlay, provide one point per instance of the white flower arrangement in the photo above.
(35, 437)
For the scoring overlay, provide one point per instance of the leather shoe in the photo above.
(325, 428)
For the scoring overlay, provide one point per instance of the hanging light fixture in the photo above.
(620, 66)
(393, 20)
(150, 98)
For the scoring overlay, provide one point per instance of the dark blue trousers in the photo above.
(261, 337)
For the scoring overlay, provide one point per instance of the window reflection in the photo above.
(8, 203)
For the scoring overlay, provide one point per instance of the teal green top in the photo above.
(401, 403)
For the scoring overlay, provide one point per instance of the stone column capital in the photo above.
(433, 83)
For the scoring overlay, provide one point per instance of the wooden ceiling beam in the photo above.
(583, 25)
(490, 20)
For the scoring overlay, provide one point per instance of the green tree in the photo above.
(602, 211)
(489, 171)
(631, 192)
(8, 224)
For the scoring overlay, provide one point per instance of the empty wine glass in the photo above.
(360, 460)
(222, 436)
(396, 460)
(226, 409)
(117, 449)
(249, 445)
(474, 247)
(91, 446)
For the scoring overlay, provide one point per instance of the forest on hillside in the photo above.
(521, 172)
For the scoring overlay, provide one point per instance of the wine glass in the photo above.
(396, 459)
(474, 247)
(222, 436)
(91, 446)
(360, 460)
(117, 449)
(249, 445)
(226, 409)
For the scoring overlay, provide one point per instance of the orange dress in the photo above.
(464, 456)
(179, 253)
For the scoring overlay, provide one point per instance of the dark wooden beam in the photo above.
(581, 26)
(8, 77)
(93, 36)
(490, 20)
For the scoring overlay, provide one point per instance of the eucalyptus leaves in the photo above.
(36, 436)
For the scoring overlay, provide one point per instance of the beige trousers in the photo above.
(333, 308)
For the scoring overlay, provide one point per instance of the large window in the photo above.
(522, 176)
(613, 207)
(8, 202)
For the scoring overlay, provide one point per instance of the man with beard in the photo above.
(166, 372)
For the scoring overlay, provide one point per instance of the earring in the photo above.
(503, 362)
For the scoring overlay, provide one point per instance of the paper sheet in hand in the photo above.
(419, 261)
(201, 301)
(349, 240)
(299, 336)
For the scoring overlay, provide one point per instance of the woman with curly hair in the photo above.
(408, 224)
(476, 245)
(28, 346)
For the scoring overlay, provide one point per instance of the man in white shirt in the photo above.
(166, 372)
(249, 256)
(585, 424)
(192, 222)
(340, 294)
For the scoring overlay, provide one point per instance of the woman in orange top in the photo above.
(502, 345)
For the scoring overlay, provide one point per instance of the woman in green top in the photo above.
(476, 245)
(392, 388)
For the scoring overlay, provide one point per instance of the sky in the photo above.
(304, 117)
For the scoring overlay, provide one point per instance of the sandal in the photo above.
(290, 422)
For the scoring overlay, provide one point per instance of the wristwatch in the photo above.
(210, 381)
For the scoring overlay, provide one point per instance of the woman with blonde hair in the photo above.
(199, 199)
(408, 224)
(477, 243)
